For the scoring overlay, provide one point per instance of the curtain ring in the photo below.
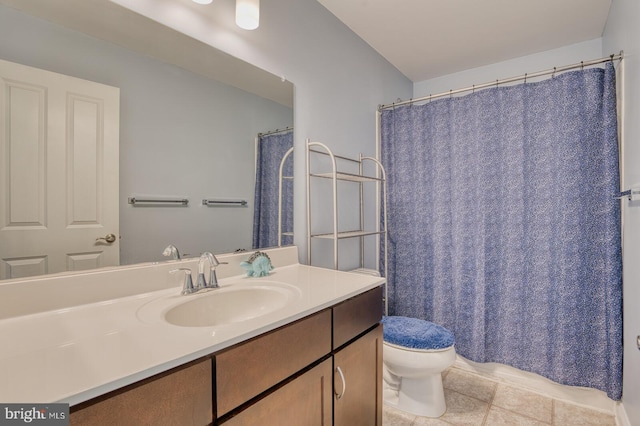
(581, 65)
(496, 84)
(554, 73)
(429, 97)
(473, 89)
(450, 90)
(525, 78)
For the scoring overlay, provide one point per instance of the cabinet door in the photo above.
(357, 381)
(306, 400)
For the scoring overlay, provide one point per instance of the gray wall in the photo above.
(339, 79)
(180, 135)
(567, 55)
(623, 33)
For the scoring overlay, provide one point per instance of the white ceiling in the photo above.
(430, 38)
(422, 38)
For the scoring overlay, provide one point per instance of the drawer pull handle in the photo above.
(344, 384)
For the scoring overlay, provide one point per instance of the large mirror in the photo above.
(189, 120)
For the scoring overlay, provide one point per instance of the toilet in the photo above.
(415, 352)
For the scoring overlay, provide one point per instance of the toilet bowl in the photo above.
(415, 353)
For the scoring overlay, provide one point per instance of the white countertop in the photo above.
(79, 352)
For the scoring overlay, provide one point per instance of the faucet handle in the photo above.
(187, 286)
(171, 251)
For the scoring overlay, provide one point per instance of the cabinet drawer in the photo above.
(181, 396)
(356, 315)
(248, 369)
(306, 400)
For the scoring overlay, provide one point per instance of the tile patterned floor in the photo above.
(473, 400)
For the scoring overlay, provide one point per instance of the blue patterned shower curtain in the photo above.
(503, 225)
(271, 150)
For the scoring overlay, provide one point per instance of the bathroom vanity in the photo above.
(316, 360)
(284, 374)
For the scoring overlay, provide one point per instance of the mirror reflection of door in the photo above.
(59, 140)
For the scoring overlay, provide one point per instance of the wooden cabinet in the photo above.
(356, 315)
(358, 381)
(324, 369)
(358, 365)
(305, 400)
(343, 346)
(246, 370)
(180, 396)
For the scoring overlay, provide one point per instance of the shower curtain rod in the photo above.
(273, 132)
(524, 77)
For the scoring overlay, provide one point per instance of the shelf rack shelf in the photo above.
(347, 234)
(350, 177)
(377, 178)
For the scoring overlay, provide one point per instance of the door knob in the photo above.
(109, 238)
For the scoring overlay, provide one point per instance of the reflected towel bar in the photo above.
(159, 201)
(632, 194)
(241, 203)
(624, 194)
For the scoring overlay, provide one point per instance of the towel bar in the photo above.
(159, 201)
(210, 203)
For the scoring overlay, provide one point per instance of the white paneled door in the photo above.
(59, 139)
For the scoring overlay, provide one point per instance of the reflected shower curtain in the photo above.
(503, 226)
(271, 150)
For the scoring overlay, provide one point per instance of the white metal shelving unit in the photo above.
(336, 176)
(281, 178)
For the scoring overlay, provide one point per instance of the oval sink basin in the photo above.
(229, 305)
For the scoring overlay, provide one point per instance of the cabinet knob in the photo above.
(344, 384)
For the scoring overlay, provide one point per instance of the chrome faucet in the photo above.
(213, 279)
(172, 251)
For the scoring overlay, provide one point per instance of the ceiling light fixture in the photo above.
(203, 1)
(248, 14)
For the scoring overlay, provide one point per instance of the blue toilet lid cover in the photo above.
(415, 333)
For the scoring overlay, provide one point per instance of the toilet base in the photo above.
(422, 397)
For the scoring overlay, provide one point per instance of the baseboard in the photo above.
(621, 415)
(586, 397)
